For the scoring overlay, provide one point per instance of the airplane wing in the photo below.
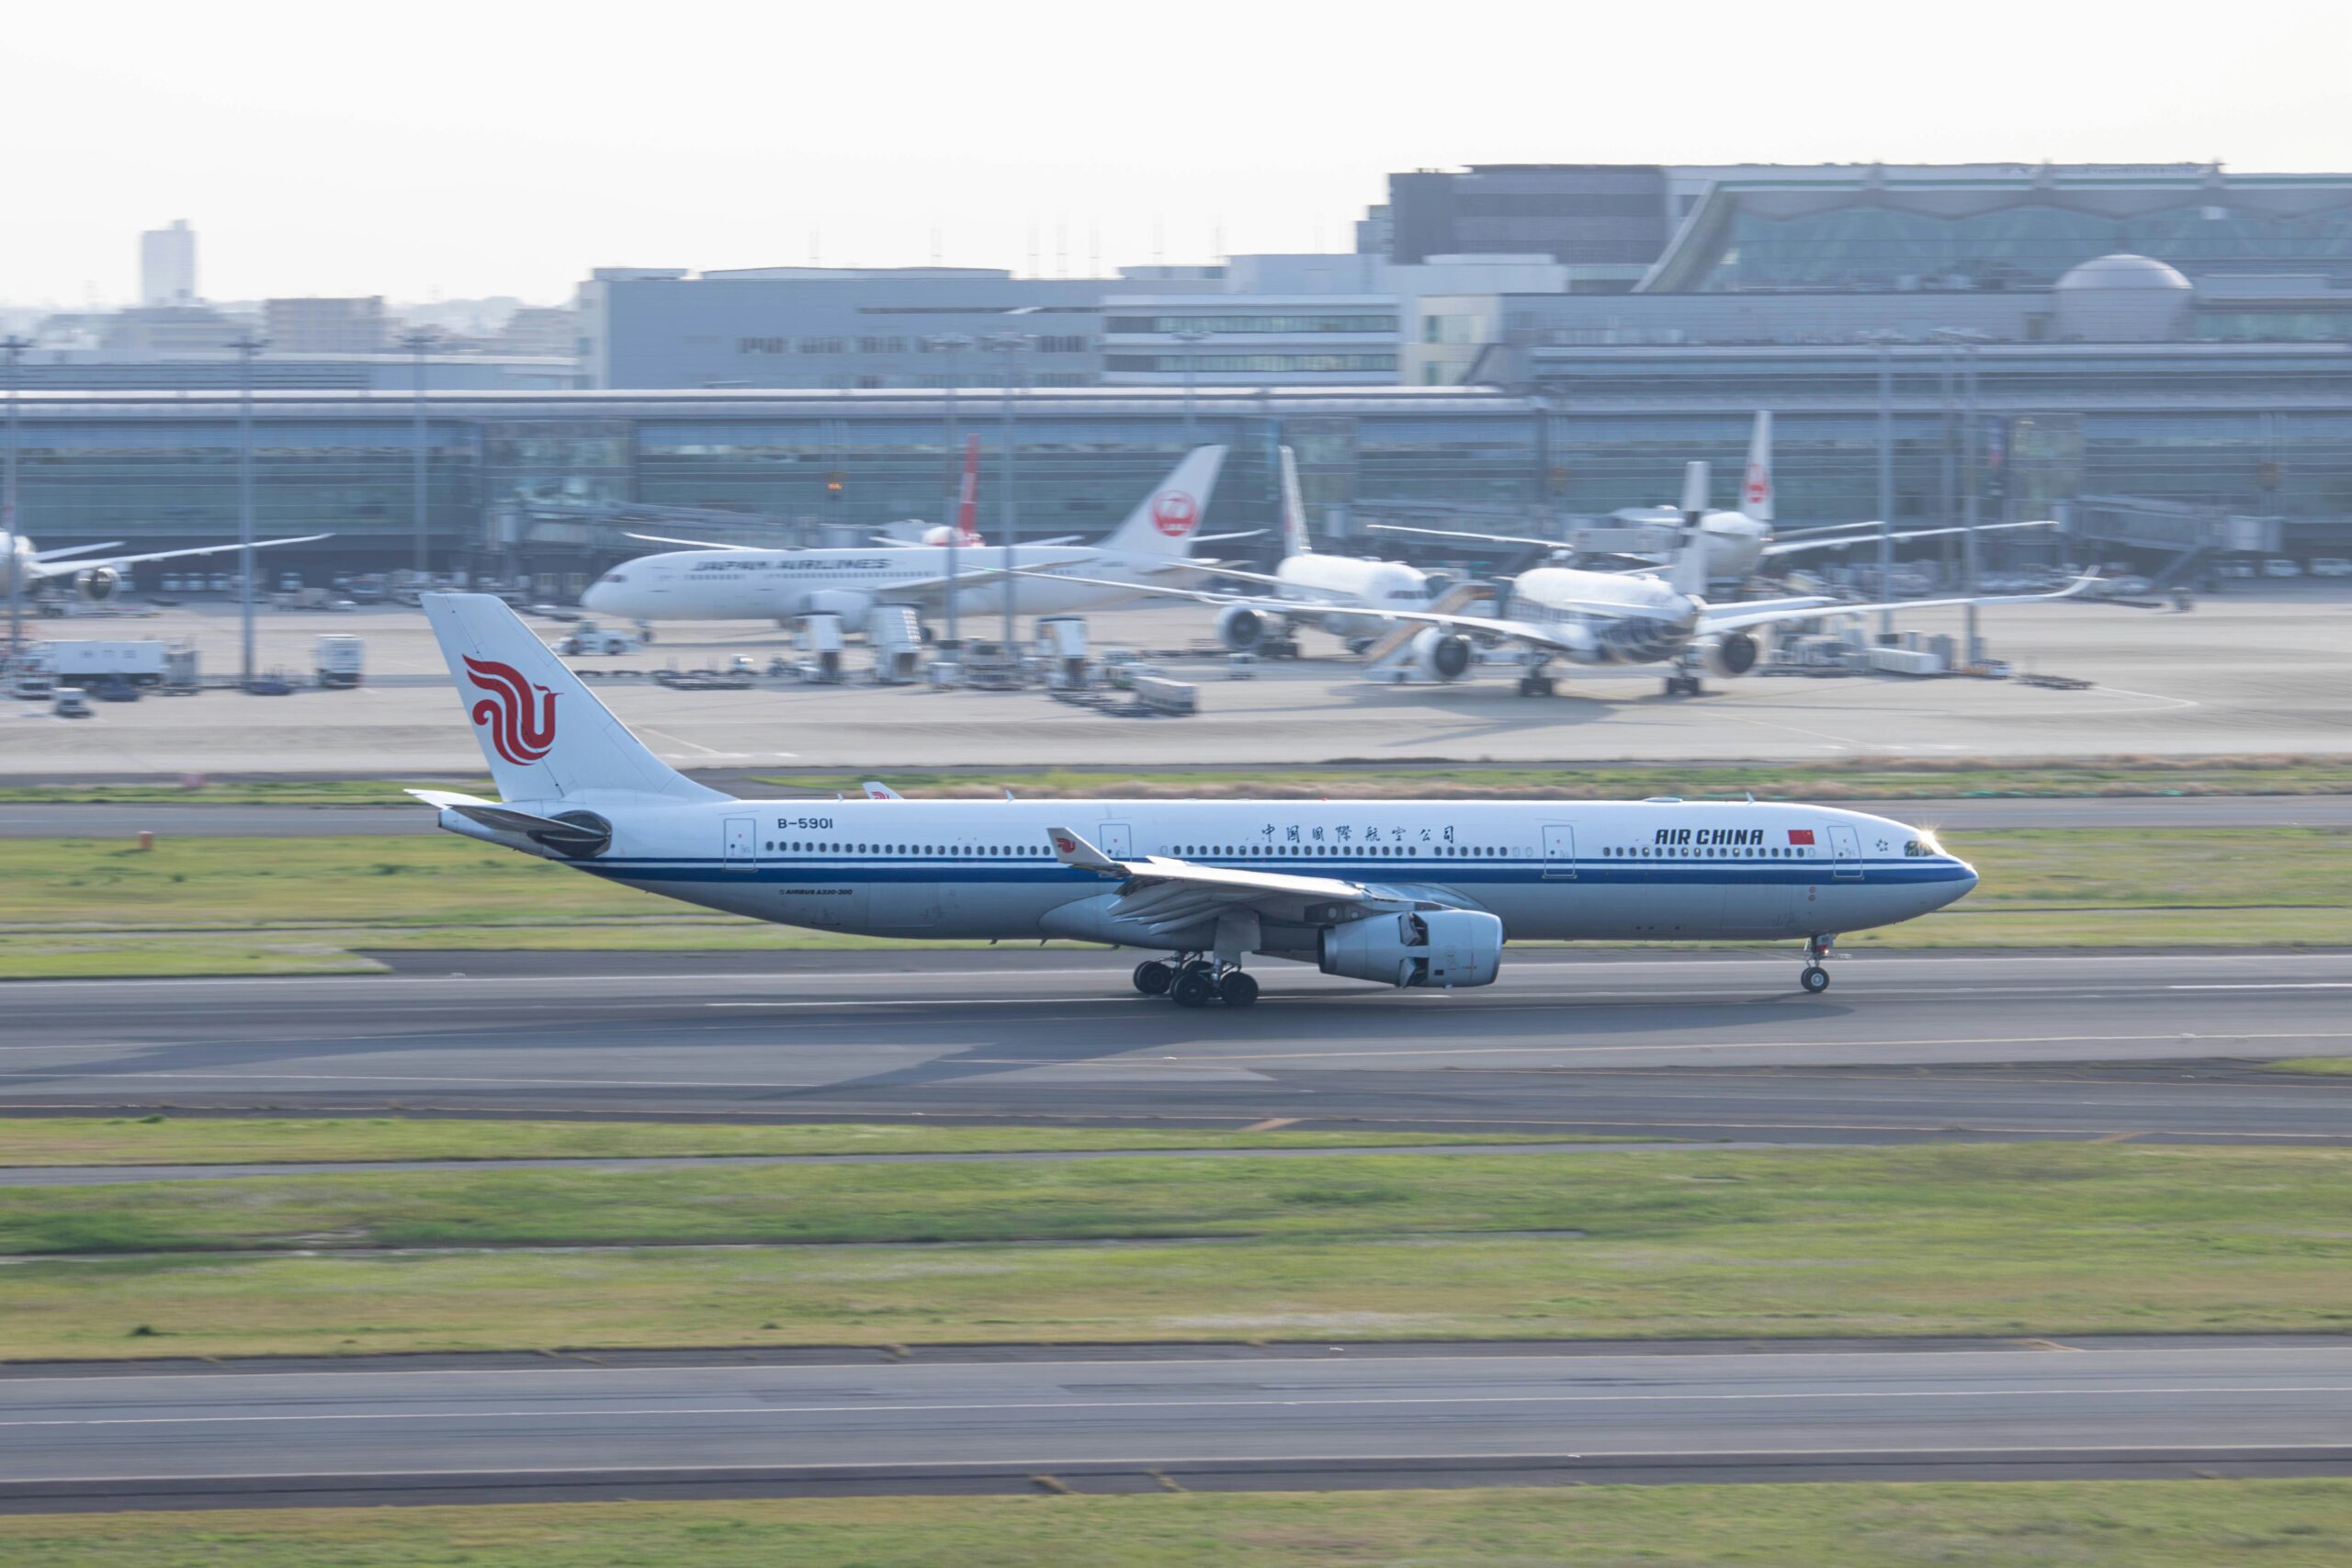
(1793, 546)
(1738, 617)
(924, 587)
(1469, 537)
(61, 553)
(47, 568)
(1327, 596)
(691, 544)
(1167, 893)
(1565, 638)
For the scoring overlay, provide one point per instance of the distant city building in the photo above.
(167, 265)
(164, 331)
(324, 325)
(541, 330)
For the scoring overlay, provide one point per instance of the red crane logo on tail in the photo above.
(516, 733)
(1174, 514)
(1760, 485)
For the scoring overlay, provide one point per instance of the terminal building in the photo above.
(1527, 343)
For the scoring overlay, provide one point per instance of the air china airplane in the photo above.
(1400, 893)
(95, 577)
(720, 582)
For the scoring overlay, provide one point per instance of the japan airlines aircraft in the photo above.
(718, 583)
(97, 578)
(1738, 543)
(1402, 893)
(1605, 617)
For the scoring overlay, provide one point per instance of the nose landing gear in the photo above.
(1815, 978)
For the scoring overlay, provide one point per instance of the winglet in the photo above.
(1071, 848)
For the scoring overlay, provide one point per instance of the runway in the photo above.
(1903, 1048)
(191, 820)
(246, 1433)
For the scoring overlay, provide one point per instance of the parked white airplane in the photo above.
(1347, 596)
(1738, 543)
(97, 578)
(1404, 893)
(723, 582)
(1607, 617)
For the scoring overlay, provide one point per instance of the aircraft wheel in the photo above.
(1192, 988)
(1237, 989)
(1153, 978)
(1816, 978)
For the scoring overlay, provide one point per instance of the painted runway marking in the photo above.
(573, 1414)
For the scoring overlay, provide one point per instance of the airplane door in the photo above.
(1115, 839)
(741, 850)
(1849, 852)
(1559, 852)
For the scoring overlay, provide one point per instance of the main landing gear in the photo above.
(1683, 683)
(1815, 978)
(1534, 679)
(1193, 982)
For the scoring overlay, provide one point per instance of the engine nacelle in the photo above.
(1427, 947)
(1240, 627)
(1440, 655)
(98, 583)
(1733, 653)
(848, 604)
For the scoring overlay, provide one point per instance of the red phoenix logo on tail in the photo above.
(516, 733)
(1174, 514)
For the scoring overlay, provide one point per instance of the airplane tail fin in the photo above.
(545, 735)
(1295, 539)
(1755, 490)
(968, 493)
(1689, 574)
(1163, 524)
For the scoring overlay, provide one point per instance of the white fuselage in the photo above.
(1607, 617)
(1560, 870)
(784, 585)
(1345, 595)
(1734, 541)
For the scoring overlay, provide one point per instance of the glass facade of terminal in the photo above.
(556, 479)
(1864, 246)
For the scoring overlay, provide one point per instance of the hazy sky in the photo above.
(430, 148)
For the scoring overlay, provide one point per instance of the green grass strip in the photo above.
(1983, 1239)
(2142, 1524)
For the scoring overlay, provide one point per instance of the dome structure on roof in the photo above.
(2123, 298)
(2124, 271)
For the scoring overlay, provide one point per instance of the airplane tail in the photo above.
(545, 735)
(1163, 524)
(968, 493)
(1689, 573)
(1295, 539)
(1755, 490)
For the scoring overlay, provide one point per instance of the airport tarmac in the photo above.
(195, 820)
(1723, 1046)
(2260, 671)
(394, 1431)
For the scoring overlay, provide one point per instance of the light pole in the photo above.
(1885, 342)
(247, 345)
(1191, 337)
(1009, 345)
(14, 347)
(953, 346)
(1965, 342)
(416, 343)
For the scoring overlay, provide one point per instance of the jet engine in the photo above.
(1733, 653)
(1441, 655)
(98, 583)
(848, 604)
(583, 836)
(1240, 627)
(1427, 947)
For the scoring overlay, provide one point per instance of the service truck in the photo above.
(87, 661)
(336, 659)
